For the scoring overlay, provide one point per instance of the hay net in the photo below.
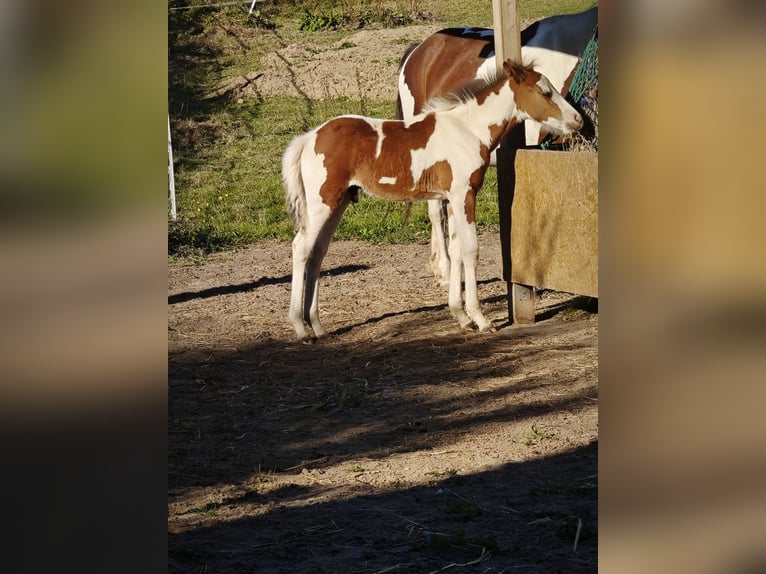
(583, 94)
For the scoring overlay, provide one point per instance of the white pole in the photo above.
(171, 176)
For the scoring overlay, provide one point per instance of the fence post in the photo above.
(520, 298)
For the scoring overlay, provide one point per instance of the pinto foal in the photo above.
(442, 153)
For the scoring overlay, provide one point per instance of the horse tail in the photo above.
(292, 179)
(410, 49)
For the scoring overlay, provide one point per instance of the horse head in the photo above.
(537, 99)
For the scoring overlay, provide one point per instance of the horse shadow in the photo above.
(253, 285)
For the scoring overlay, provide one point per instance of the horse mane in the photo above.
(468, 91)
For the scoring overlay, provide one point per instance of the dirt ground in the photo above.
(399, 443)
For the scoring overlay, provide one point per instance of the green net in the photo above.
(584, 88)
(583, 93)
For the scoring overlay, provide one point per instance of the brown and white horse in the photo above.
(452, 57)
(441, 153)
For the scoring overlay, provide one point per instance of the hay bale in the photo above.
(554, 229)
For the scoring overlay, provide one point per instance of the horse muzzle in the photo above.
(566, 125)
(575, 123)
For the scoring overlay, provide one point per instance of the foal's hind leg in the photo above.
(302, 247)
(440, 261)
(314, 265)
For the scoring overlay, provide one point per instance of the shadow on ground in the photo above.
(537, 516)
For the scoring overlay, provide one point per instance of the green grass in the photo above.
(536, 436)
(228, 154)
(448, 473)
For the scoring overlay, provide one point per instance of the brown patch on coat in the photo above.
(476, 179)
(470, 205)
(342, 141)
(349, 146)
(438, 177)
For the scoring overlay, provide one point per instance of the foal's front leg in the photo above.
(470, 251)
(468, 247)
(455, 283)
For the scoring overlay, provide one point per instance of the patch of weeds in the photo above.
(193, 238)
(448, 473)
(573, 314)
(536, 436)
(345, 398)
(209, 508)
(345, 45)
(260, 19)
(356, 468)
(357, 15)
(264, 477)
(313, 21)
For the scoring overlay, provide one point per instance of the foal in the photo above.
(441, 153)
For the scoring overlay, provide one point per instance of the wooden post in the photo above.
(507, 25)
(507, 31)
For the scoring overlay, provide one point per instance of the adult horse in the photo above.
(441, 153)
(449, 58)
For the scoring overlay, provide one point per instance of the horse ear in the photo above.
(514, 71)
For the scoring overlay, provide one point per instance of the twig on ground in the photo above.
(484, 556)
(577, 534)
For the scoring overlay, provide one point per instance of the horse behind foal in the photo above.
(451, 57)
(442, 153)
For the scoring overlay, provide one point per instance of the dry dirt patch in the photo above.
(361, 66)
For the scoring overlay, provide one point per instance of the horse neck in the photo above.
(491, 119)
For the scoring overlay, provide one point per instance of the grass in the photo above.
(208, 509)
(227, 154)
(536, 436)
(448, 473)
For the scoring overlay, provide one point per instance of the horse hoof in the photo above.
(469, 328)
(488, 328)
